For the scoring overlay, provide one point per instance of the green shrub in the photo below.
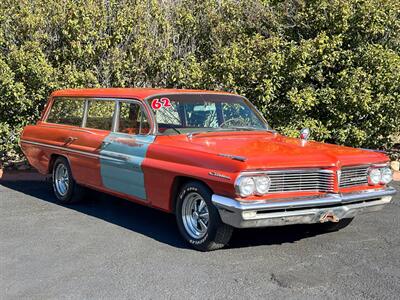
(9, 148)
(331, 65)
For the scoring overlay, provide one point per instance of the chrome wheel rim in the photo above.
(195, 215)
(61, 179)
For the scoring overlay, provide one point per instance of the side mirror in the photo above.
(305, 134)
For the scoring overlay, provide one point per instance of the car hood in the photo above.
(268, 150)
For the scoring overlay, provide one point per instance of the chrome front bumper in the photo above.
(306, 210)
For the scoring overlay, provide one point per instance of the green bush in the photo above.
(331, 65)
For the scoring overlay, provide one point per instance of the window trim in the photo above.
(51, 104)
(118, 109)
(86, 112)
(142, 103)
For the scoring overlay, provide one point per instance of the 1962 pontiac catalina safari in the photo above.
(208, 157)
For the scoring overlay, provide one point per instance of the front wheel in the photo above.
(198, 219)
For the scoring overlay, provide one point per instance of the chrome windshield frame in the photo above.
(252, 107)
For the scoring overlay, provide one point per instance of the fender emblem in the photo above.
(219, 175)
(234, 157)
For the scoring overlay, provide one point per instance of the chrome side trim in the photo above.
(298, 210)
(219, 175)
(113, 158)
(60, 148)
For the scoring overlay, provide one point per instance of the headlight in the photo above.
(262, 184)
(387, 175)
(374, 176)
(248, 185)
(245, 186)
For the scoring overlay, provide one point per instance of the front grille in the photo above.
(301, 180)
(354, 176)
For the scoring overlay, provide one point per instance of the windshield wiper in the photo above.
(245, 128)
(190, 134)
(252, 128)
(176, 130)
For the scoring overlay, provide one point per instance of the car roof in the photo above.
(137, 93)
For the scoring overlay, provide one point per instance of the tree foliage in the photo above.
(331, 65)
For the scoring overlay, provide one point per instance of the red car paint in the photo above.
(171, 159)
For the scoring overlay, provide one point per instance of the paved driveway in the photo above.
(108, 248)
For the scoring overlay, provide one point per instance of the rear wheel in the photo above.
(198, 219)
(64, 186)
(331, 227)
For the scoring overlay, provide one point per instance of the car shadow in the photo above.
(156, 224)
(251, 237)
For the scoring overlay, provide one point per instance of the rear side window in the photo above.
(100, 114)
(68, 111)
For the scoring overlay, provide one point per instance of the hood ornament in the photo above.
(304, 135)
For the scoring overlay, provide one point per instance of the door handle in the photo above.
(70, 139)
(121, 157)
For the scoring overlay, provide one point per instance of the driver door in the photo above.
(124, 150)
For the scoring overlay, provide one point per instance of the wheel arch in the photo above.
(53, 158)
(177, 183)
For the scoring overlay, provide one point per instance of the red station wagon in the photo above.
(208, 157)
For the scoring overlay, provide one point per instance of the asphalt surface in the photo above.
(108, 248)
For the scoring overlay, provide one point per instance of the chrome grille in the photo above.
(301, 180)
(353, 176)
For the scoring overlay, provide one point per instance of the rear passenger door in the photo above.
(86, 142)
(97, 124)
(124, 149)
(68, 130)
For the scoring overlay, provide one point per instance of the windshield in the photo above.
(191, 113)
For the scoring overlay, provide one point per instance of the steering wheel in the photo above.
(230, 120)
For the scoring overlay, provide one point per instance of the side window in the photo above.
(67, 111)
(100, 114)
(132, 119)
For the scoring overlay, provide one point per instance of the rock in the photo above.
(395, 165)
